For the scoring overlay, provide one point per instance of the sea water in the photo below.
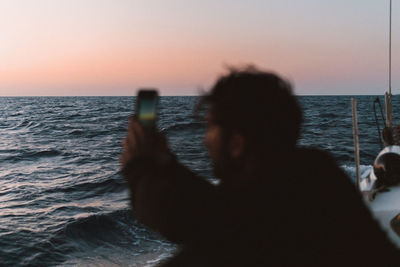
(63, 201)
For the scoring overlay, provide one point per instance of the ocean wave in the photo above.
(328, 115)
(76, 132)
(112, 184)
(30, 155)
(185, 126)
(89, 133)
(92, 134)
(17, 125)
(112, 239)
(73, 116)
(68, 210)
(77, 235)
(26, 124)
(115, 257)
(115, 230)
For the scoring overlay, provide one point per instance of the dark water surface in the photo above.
(62, 200)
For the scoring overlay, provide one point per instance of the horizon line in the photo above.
(192, 95)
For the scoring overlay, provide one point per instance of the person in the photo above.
(276, 203)
(391, 135)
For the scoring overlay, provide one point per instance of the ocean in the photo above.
(63, 201)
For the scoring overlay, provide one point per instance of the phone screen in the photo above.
(147, 108)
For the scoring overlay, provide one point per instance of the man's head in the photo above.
(251, 115)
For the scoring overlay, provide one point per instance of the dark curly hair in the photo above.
(259, 105)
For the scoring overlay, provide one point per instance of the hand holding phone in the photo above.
(146, 107)
(143, 140)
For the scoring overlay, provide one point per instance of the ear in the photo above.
(237, 145)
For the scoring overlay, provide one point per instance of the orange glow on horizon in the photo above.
(96, 47)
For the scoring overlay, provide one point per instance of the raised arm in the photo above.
(166, 196)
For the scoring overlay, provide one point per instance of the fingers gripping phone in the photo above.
(146, 107)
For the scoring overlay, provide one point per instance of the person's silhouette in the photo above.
(276, 203)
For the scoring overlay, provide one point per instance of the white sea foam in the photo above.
(351, 171)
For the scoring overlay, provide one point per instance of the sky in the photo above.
(114, 47)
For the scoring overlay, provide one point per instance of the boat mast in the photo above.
(388, 95)
(390, 49)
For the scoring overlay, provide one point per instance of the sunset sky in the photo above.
(112, 47)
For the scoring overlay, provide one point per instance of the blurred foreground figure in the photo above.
(276, 203)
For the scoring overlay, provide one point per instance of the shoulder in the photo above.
(313, 158)
(313, 153)
(318, 168)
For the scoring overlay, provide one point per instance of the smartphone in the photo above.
(146, 107)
